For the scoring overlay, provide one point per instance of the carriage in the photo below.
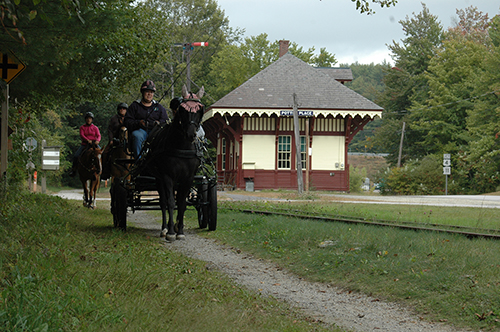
(173, 172)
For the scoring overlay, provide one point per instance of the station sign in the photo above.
(301, 113)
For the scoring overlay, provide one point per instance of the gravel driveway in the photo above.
(326, 303)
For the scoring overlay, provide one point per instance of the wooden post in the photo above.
(308, 164)
(401, 144)
(5, 134)
(300, 181)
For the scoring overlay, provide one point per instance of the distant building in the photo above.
(253, 128)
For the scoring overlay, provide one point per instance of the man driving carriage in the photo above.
(89, 133)
(115, 123)
(143, 115)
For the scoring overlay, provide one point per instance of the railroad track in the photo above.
(469, 232)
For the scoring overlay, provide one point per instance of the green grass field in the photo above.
(65, 267)
(446, 278)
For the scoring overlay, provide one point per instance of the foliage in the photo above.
(368, 82)
(356, 179)
(417, 177)
(406, 83)
(364, 5)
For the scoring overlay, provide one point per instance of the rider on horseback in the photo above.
(89, 133)
(143, 115)
(115, 123)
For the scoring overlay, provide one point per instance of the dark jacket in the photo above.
(115, 123)
(137, 112)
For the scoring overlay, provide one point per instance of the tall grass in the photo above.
(65, 268)
(444, 277)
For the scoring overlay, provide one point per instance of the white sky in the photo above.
(338, 26)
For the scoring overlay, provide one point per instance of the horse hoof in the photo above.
(180, 237)
(163, 233)
(170, 237)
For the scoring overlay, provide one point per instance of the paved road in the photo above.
(481, 201)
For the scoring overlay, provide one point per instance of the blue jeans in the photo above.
(138, 138)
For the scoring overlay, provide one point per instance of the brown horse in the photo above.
(120, 152)
(89, 170)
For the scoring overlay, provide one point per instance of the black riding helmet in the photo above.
(120, 106)
(148, 85)
(89, 115)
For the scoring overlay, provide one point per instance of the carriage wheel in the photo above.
(203, 207)
(212, 207)
(120, 208)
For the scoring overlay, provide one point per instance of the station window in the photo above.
(223, 154)
(303, 151)
(284, 151)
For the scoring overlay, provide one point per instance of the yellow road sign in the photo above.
(10, 67)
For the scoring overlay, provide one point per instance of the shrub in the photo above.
(356, 177)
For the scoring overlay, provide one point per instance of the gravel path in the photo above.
(323, 302)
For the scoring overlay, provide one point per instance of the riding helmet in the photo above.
(120, 106)
(89, 115)
(148, 85)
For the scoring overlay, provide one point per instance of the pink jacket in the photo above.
(89, 133)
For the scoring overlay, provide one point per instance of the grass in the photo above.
(65, 268)
(446, 278)
(478, 218)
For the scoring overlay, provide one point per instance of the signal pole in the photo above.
(188, 49)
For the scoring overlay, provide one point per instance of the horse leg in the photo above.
(170, 207)
(181, 208)
(163, 206)
(85, 194)
(95, 187)
(92, 195)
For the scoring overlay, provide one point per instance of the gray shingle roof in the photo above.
(338, 74)
(273, 88)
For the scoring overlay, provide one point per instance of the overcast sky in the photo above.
(336, 25)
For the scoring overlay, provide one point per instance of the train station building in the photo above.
(252, 127)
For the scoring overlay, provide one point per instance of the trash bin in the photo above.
(249, 185)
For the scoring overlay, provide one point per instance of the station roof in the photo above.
(271, 91)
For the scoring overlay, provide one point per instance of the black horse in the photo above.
(173, 160)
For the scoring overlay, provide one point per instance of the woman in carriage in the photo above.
(143, 115)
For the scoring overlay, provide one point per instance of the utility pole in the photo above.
(188, 49)
(300, 180)
(401, 144)
(4, 131)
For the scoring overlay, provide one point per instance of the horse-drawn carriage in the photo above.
(172, 172)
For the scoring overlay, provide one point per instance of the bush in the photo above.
(417, 177)
(356, 177)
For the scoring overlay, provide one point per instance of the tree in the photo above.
(364, 5)
(405, 83)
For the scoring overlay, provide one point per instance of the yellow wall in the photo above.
(259, 149)
(328, 153)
